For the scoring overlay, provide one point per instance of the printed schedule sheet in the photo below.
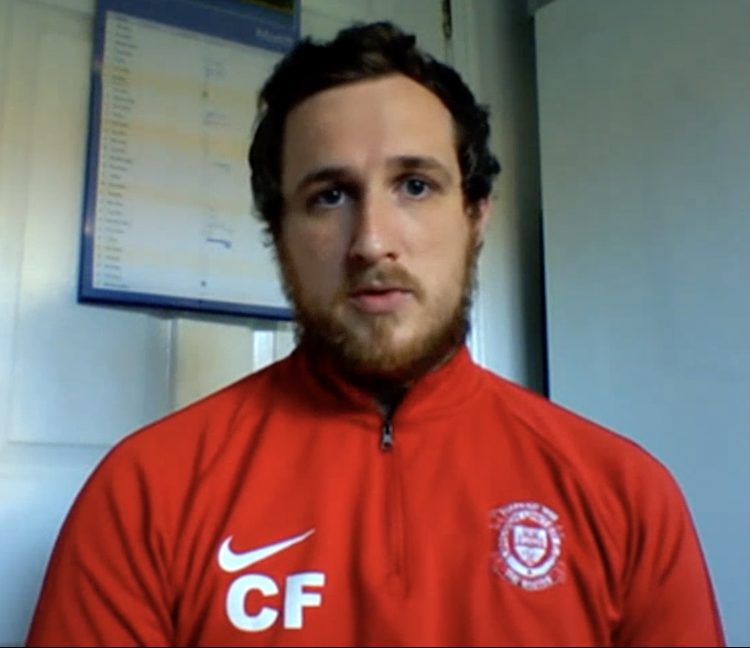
(173, 212)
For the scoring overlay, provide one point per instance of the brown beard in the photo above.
(372, 363)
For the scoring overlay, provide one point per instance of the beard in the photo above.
(367, 352)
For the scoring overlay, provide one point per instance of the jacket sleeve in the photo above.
(668, 597)
(107, 580)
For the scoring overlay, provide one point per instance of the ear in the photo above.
(480, 217)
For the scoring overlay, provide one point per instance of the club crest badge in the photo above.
(529, 545)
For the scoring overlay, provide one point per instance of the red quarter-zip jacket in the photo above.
(271, 513)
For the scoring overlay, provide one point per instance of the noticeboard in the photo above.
(167, 208)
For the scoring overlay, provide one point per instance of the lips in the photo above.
(381, 289)
(379, 299)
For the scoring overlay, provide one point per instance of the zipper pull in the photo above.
(386, 435)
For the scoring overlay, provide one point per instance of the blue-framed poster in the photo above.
(167, 209)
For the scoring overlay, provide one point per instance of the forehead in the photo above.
(364, 124)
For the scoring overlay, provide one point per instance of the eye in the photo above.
(328, 198)
(416, 187)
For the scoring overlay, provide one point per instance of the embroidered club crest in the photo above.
(529, 545)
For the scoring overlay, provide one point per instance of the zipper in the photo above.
(386, 434)
(396, 577)
(386, 427)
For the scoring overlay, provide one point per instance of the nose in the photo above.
(374, 235)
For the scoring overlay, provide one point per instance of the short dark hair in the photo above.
(359, 52)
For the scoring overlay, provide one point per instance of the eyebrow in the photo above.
(324, 174)
(421, 163)
(400, 162)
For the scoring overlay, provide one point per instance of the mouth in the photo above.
(379, 300)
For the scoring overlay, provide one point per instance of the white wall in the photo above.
(644, 147)
(496, 52)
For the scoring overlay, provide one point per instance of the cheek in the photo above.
(315, 254)
(445, 255)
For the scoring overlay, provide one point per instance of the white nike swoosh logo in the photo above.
(231, 561)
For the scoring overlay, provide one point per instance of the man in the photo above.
(376, 487)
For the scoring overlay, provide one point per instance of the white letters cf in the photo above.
(296, 595)
(295, 598)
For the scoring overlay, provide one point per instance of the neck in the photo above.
(388, 400)
(387, 388)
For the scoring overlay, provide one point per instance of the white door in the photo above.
(74, 379)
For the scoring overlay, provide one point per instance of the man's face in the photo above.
(376, 246)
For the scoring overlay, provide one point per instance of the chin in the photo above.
(391, 351)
